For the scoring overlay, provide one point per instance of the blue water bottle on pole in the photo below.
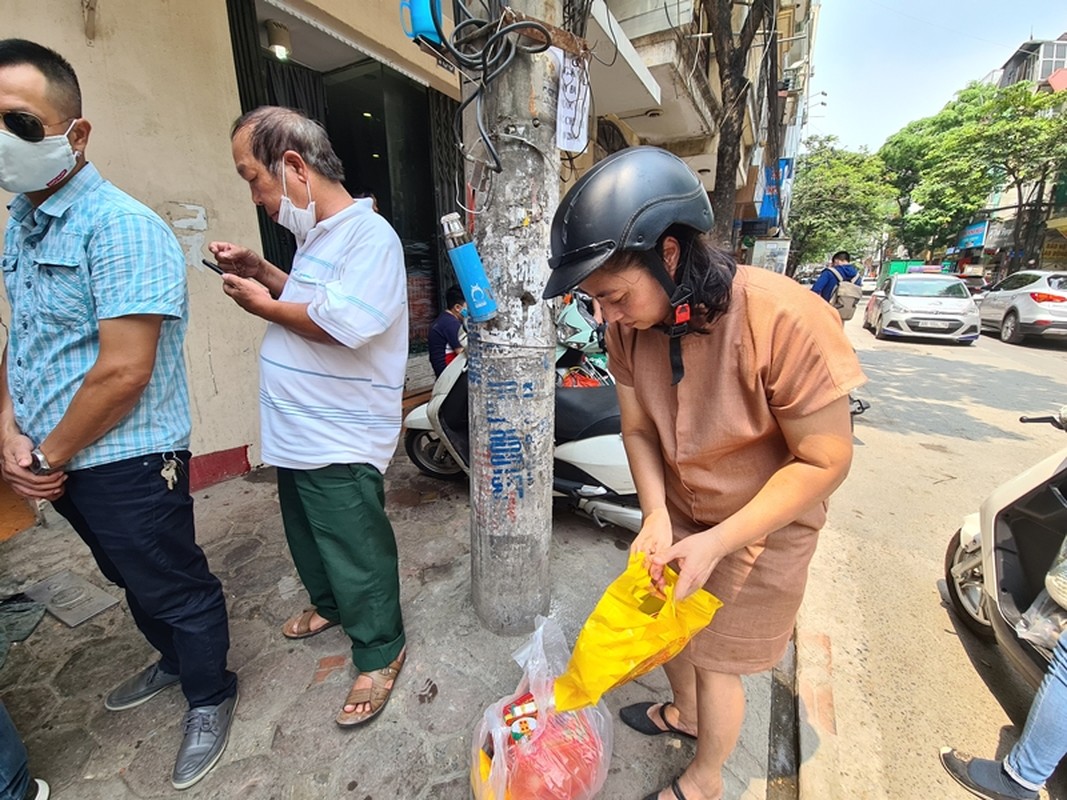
(469, 270)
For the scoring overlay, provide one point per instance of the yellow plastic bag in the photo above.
(631, 631)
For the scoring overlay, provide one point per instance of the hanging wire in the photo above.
(576, 16)
(485, 47)
(612, 22)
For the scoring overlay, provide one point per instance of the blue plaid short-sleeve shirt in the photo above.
(92, 252)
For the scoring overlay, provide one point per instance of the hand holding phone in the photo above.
(213, 266)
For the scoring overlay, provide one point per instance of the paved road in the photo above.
(941, 433)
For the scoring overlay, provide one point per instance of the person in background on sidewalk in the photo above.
(444, 342)
(94, 403)
(332, 370)
(826, 286)
(736, 435)
(1035, 756)
(841, 268)
(15, 780)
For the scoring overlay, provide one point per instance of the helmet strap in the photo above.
(680, 314)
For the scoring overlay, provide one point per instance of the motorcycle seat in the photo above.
(582, 413)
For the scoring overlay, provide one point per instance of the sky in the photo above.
(884, 63)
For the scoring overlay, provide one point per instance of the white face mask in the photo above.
(33, 166)
(299, 221)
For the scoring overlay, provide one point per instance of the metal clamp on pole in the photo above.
(564, 40)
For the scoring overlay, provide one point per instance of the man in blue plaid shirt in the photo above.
(94, 403)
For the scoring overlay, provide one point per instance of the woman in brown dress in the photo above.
(733, 384)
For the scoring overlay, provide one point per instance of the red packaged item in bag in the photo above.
(524, 749)
(562, 762)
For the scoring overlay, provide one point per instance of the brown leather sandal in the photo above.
(383, 681)
(301, 623)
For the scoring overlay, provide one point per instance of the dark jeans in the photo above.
(144, 540)
(14, 774)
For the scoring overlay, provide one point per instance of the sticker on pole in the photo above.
(572, 108)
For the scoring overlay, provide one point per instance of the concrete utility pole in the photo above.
(511, 357)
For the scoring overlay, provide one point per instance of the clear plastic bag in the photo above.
(1043, 621)
(1056, 579)
(564, 756)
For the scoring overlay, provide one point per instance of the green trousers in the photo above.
(345, 552)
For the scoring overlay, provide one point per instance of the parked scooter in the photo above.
(996, 564)
(590, 467)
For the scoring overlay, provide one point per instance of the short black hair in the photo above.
(63, 89)
(842, 255)
(454, 297)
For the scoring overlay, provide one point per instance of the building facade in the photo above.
(163, 83)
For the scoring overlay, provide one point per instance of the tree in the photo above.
(939, 185)
(943, 168)
(1021, 138)
(841, 200)
(731, 54)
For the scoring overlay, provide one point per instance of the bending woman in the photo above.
(733, 384)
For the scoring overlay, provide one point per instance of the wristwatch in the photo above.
(38, 463)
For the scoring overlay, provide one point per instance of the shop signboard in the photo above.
(771, 254)
(1054, 253)
(973, 235)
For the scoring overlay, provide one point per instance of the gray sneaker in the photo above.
(142, 687)
(207, 729)
(982, 777)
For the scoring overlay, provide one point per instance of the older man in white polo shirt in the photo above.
(331, 378)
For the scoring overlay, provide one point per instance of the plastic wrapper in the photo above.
(632, 630)
(524, 749)
(1056, 579)
(1043, 621)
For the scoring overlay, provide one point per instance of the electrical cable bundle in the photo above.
(483, 49)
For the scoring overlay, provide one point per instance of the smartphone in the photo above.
(213, 266)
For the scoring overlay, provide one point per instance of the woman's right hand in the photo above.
(237, 259)
(656, 535)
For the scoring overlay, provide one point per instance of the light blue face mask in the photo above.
(463, 312)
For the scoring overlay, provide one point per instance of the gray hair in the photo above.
(275, 129)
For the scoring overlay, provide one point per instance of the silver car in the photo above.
(928, 306)
(1027, 303)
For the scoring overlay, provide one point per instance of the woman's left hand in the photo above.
(697, 557)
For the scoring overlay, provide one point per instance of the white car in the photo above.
(1027, 303)
(927, 306)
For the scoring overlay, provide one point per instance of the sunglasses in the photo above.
(24, 125)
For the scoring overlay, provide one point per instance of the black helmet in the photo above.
(625, 202)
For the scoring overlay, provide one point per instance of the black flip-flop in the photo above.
(636, 717)
(674, 788)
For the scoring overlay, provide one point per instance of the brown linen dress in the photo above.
(779, 352)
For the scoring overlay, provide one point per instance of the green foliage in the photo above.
(1021, 135)
(939, 185)
(943, 168)
(840, 200)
